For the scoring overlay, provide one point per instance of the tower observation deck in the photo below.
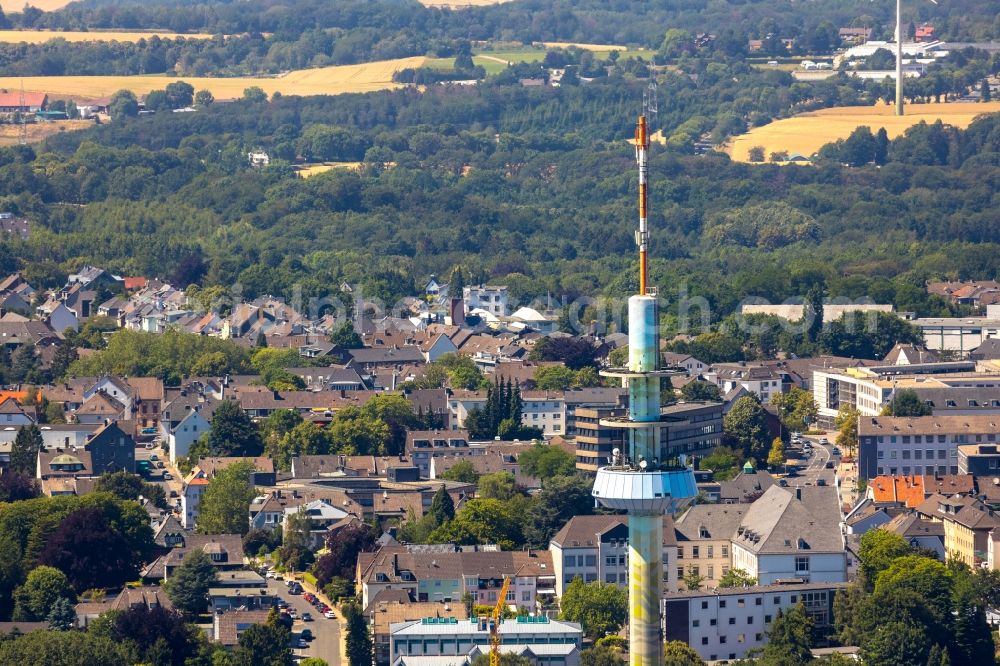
(640, 480)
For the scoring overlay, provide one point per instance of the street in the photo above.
(326, 644)
(811, 470)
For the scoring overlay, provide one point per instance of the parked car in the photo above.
(829, 464)
(306, 617)
(159, 464)
(821, 482)
(835, 451)
(150, 446)
(173, 493)
(307, 635)
(824, 441)
(154, 457)
(167, 476)
(329, 615)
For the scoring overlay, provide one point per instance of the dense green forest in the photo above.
(546, 205)
(271, 36)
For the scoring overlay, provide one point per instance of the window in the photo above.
(722, 603)
(694, 552)
(777, 600)
(711, 552)
(722, 639)
(732, 620)
(711, 571)
(713, 622)
(704, 640)
(749, 619)
(570, 561)
(758, 601)
(767, 620)
(740, 638)
(610, 561)
(704, 605)
(725, 551)
(695, 623)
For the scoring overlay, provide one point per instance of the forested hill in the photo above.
(544, 212)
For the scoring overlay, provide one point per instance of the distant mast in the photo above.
(642, 235)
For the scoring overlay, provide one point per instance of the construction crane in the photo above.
(495, 623)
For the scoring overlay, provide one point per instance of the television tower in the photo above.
(641, 481)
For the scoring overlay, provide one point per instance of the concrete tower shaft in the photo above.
(638, 480)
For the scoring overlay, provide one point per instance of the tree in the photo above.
(90, 551)
(225, 504)
(35, 599)
(896, 644)
(789, 638)
(756, 154)
(254, 95)
(24, 451)
(63, 357)
(906, 402)
(62, 648)
(498, 486)
(123, 104)
(796, 408)
(188, 585)
(746, 426)
(345, 337)
(359, 644)
(929, 580)
(463, 471)
(233, 433)
(15, 487)
(554, 378)
(354, 431)
(737, 577)
(847, 425)
(692, 579)
(881, 146)
(813, 312)
(180, 94)
(204, 98)
(560, 499)
(858, 149)
(984, 90)
(342, 549)
(600, 608)
(601, 655)
(264, 645)
(575, 353)
(62, 615)
(544, 461)
(776, 457)
(878, 549)
(700, 390)
(396, 412)
(313, 661)
(679, 653)
(723, 461)
(442, 506)
(482, 521)
(153, 635)
(304, 439)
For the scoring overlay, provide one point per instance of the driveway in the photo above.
(326, 644)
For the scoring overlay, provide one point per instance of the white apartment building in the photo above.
(492, 299)
(595, 548)
(541, 409)
(792, 534)
(727, 623)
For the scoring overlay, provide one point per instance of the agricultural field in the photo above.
(495, 62)
(34, 132)
(807, 133)
(42, 36)
(365, 77)
(307, 170)
(15, 6)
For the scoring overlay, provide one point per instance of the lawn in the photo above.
(366, 77)
(42, 36)
(808, 132)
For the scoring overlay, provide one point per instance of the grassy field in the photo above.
(11, 134)
(321, 81)
(806, 133)
(42, 36)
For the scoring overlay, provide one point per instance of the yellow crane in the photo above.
(495, 624)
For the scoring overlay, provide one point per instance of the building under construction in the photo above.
(640, 479)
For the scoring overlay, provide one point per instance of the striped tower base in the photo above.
(645, 573)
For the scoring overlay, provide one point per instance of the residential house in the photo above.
(726, 624)
(185, 418)
(492, 299)
(322, 516)
(792, 534)
(967, 526)
(12, 414)
(704, 533)
(263, 473)
(62, 463)
(691, 365)
(919, 532)
(763, 380)
(746, 486)
(224, 550)
(228, 627)
(595, 548)
(99, 408)
(195, 485)
(112, 449)
(976, 459)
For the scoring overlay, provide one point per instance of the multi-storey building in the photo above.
(704, 535)
(967, 526)
(725, 624)
(492, 299)
(896, 445)
(595, 548)
(595, 442)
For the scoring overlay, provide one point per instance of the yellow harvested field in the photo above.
(42, 36)
(16, 6)
(807, 133)
(461, 4)
(35, 132)
(312, 169)
(366, 77)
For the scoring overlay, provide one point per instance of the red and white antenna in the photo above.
(642, 235)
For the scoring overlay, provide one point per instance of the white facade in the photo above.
(958, 334)
(191, 500)
(804, 565)
(186, 433)
(608, 564)
(547, 413)
(492, 299)
(727, 623)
